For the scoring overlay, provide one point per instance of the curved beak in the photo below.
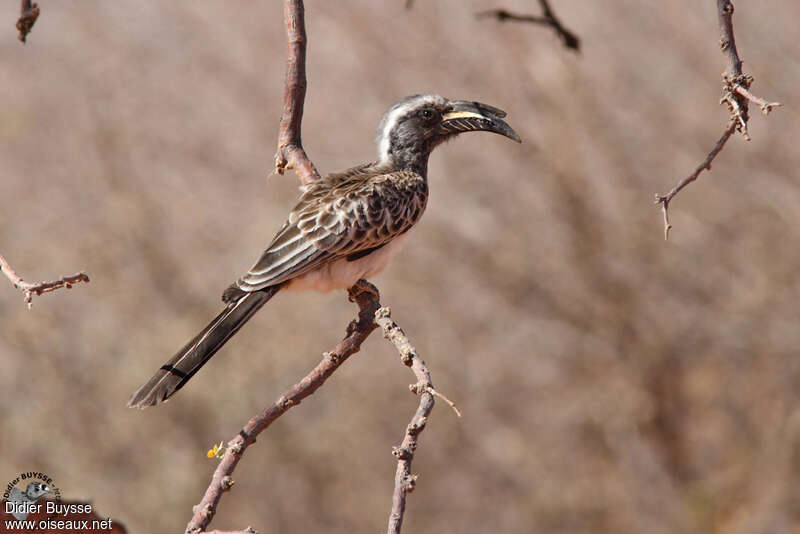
(473, 116)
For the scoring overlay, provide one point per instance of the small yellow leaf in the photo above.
(216, 451)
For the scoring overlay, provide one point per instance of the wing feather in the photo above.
(337, 217)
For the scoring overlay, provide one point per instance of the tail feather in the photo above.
(187, 361)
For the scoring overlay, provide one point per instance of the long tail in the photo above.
(180, 368)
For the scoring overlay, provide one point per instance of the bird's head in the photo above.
(415, 125)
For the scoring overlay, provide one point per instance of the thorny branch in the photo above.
(366, 296)
(735, 94)
(404, 481)
(28, 14)
(30, 289)
(290, 154)
(548, 18)
(370, 316)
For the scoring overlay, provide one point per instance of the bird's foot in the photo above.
(363, 287)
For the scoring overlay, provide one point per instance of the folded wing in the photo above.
(336, 218)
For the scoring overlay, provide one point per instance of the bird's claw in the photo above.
(361, 287)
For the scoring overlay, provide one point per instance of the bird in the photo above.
(23, 501)
(345, 227)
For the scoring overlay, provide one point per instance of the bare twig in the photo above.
(765, 106)
(706, 165)
(404, 481)
(735, 94)
(548, 18)
(290, 154)
(366, 296)
(28, 14)
(30, 289)
(445, 399)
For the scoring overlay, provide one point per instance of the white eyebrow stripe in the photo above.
(391, 122)
(394, 116)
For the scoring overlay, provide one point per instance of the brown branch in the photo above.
(404, 481)
(290, 153)
(735, 94)
(366, 296)
(30, 289)
(548, 18)
(664, 200)
(28, 13)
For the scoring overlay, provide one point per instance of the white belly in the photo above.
(342, 274)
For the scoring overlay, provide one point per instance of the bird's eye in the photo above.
(427, 114)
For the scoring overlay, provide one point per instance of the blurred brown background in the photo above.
(610, 382)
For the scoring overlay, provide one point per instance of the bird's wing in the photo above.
(336, 218)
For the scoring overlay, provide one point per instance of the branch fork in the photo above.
(370, 316)
(357, 331)
(290, 153)
(548, 18)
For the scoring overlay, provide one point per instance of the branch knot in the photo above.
(415, 428)
(402, 453)
(227, 483)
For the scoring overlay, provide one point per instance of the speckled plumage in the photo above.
(335, 220)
